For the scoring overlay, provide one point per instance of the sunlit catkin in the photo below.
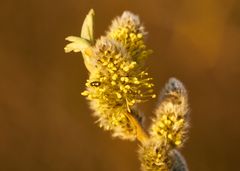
(154, 155)
(171, 116)
(128, 30)
(115, 86)
(118, 82)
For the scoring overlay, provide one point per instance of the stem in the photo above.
(142, 135)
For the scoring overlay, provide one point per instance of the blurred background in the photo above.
(45, 123)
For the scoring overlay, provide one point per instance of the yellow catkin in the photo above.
(153, 155)
(117, 84)
(171, 120)
(128, 30)
(117, 80)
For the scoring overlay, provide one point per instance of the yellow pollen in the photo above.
(110, 65)
(172, 118)
(126, 69)
(154, 96)
(85, 93)
(119, 95)
(178, 142)
(113, 83)
(161, 125)
(132, 102)
(115, 76)
(170, 136)
(127, 87)
(139, 35)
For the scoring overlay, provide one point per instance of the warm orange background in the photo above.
(45, 124)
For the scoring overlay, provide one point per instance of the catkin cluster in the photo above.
(168, 130)
(118, 81)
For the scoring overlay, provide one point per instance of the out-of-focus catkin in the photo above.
(171, 116)
(178, 162)
(128, 30)
(154, 155)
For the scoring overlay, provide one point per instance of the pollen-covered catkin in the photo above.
(115, 86)
(171, 120)
(154, 155)
(118, 82)
(128, 30)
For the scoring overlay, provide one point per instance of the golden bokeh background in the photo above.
(46, 125)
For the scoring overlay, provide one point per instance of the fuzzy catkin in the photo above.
(129, 31)
(118, 81)
(154, 155)
(178, 162)
(171, 116)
